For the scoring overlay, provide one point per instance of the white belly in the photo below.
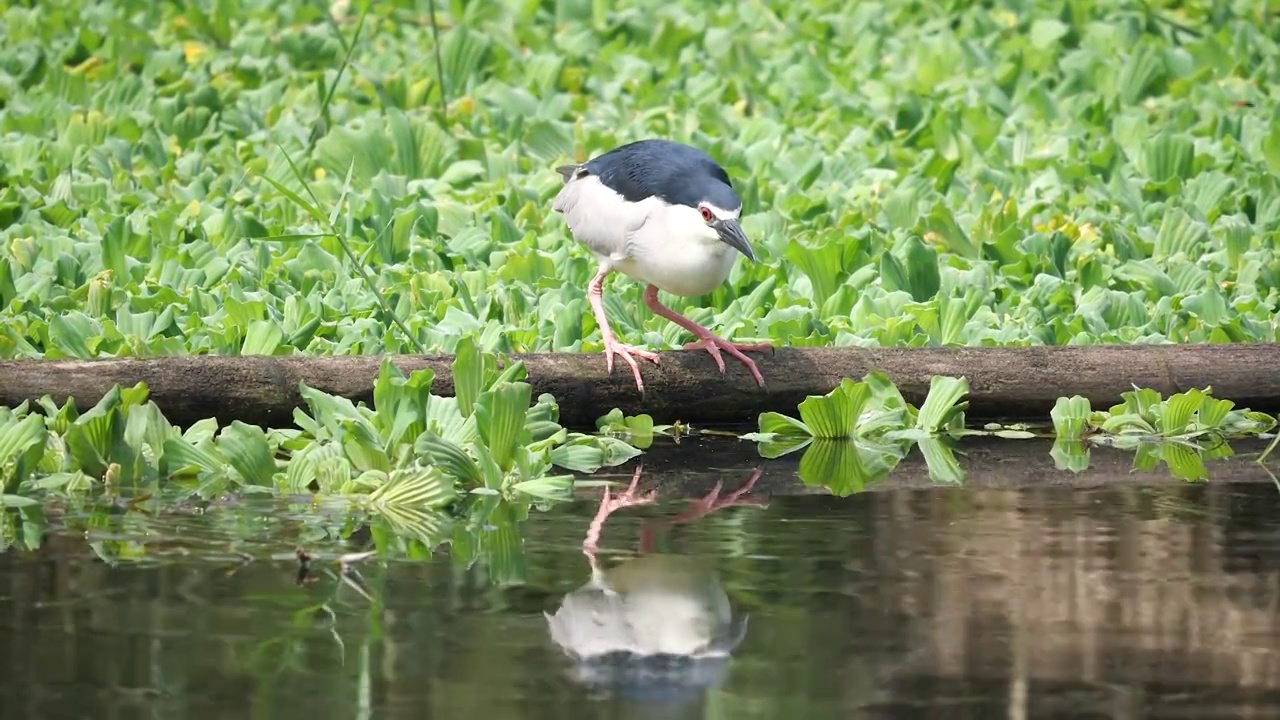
(689, 270)
(648, 241)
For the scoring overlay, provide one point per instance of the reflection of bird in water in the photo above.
(658, 627)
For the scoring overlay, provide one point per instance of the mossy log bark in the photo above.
(1006, 382)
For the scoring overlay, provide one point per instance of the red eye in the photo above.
(706, 213)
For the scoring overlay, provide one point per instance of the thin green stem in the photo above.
(435, 39)
(388, 314)
(348, 51)
(1270, 448)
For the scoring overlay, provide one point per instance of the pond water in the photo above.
(1066, 596)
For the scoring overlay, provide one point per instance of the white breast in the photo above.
(666, 245)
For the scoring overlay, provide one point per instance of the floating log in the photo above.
(1005, 382)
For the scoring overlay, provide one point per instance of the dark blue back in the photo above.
(675, 172)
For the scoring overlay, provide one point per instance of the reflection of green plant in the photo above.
(871, 408)
(1182, 430)
(851, 465)
(22, 523)
(857, 434)
(482, 530)
(1070, 455)
(1185, 460)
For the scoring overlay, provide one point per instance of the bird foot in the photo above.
(628, 353)
(610, 504)
(713, 502)
(714, 344)
(628, 498)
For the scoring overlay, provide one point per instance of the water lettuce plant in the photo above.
(857, 433)
(1182, 430)
(1145, 416)
(925, 173)
(410, 449)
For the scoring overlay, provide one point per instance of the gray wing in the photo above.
(597, 216)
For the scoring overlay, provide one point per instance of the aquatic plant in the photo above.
(1088, 176)
(857, 433)
(1146, 416)
(410, 449)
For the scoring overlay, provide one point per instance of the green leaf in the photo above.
(941, 461)
(180, 456)
(893, 273)
(95, 437)
(1070, 417)
(1070, 455)
(364, 449)
(17, 501)
(921, 263)
(146, 427)
(423, 487)
(557, 488)
(820, 264)
(262, 338)
(446, 420)
(834, 415)
(942, 405)
(1184, 461)
(450, 457)
(429, 527)
(470, 367)
(1180, 234)
(246, 449)
(1047, 31)
(22, 445)
(615, 451)
(845, 467)
(297, 199)
(1271, 148)
(500, 544)
(776, 446)
(72, 332)
(1179, 410)
(1213, 412)
(402, 405)
(578, 457)
(1168, 156)
(500, 417)
(294, 237)
(779, 424)
(1141, 402)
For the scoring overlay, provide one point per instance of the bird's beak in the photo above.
(731, 234)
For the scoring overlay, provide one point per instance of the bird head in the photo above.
(719, 208)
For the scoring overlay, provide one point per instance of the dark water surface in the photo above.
(1152, 599)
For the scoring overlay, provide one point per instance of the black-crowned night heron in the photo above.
(655, 626)
(664, 214)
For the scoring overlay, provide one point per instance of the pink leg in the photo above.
(612, 347)
(707, 340)
(712, 502)
(608, 505)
